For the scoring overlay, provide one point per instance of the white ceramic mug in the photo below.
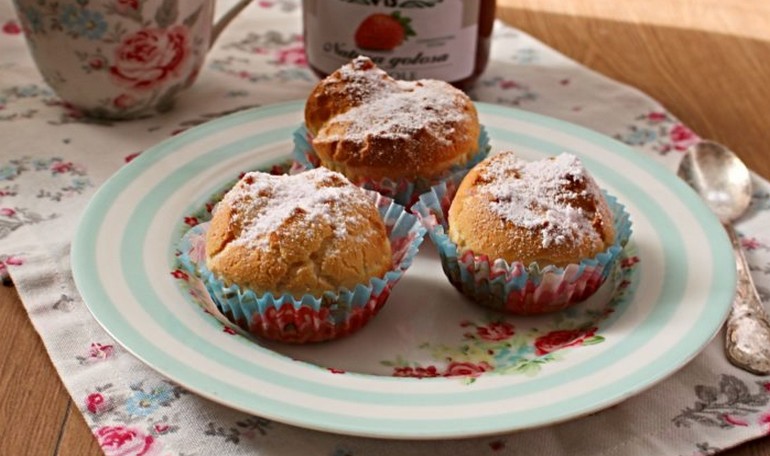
(120, 59)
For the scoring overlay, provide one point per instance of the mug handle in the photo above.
(226, 19)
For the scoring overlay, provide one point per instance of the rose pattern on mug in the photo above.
(118, 58)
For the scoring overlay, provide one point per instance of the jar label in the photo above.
(410, 39)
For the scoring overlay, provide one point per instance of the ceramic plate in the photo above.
(430, 365)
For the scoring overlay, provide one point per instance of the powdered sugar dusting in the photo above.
(263, 203)
(541, 195)
(392, 108)
(362, 78)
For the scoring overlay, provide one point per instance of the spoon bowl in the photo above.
(720, 177)
(724, 183)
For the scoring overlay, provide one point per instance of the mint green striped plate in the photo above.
(481, 373)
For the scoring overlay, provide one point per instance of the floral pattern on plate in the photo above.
(497, 345)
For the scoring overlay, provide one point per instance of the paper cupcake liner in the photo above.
(284, 318)
(403, 191)
(517, 288)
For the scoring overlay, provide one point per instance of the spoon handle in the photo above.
(747, 342)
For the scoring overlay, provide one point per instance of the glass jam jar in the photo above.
(410, 39)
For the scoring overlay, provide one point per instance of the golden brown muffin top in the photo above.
(361, 117)
(306, 233)
(550, 211)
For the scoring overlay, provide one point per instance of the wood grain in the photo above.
(705, 60)
(76, 438)
(34, 401)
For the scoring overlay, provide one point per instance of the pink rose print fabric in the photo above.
(11, 28)
(124, 441)
(126, 6)
(96, 403)
(682, 137)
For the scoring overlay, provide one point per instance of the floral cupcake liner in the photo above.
(284, 318)
(517, 288)
(403, 191)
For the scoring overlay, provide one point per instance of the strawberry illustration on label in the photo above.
(383, 32)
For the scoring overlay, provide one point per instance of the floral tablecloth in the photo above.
(53, 159)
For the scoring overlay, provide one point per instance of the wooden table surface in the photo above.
(705, 60)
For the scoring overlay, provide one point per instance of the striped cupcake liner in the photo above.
(335, 314)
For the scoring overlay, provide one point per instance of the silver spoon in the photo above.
(724, 182)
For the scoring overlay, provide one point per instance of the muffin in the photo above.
(526, 237)
(301, 258)
(388, 134)
(550, 211)
(303, 234)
